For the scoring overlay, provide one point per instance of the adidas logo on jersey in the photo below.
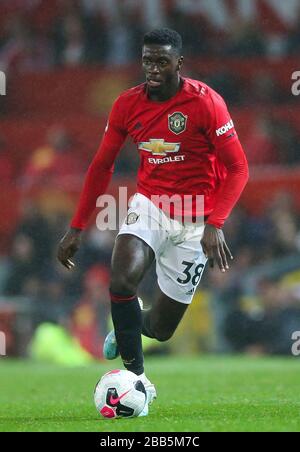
(225, 128)
(138, 126)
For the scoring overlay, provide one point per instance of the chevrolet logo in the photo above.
(158, 146)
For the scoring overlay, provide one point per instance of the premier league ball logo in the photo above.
(177, 122)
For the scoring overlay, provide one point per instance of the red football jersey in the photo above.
(187, 146)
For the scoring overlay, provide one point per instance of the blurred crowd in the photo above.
(272, 141)
(29, 269)
(79, 300)
(256, 306)
(38, 35)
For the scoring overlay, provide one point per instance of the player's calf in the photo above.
(161, 333)
(127, 320)
(161, 321)
(163, 336)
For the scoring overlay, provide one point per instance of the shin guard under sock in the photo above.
(127, 320)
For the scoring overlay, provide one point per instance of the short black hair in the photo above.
(164, 36)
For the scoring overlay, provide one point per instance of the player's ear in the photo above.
(180, 62)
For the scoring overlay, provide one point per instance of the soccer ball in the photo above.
(120, 393)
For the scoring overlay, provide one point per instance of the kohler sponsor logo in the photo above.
(225, 128)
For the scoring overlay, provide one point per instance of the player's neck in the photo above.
(167, 91)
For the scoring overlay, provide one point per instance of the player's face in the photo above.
(161, 65)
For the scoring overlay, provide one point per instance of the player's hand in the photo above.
(215, 247)
(68, 246)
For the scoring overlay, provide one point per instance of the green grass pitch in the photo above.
(195, 394)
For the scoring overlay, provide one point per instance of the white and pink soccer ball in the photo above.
(120, 394)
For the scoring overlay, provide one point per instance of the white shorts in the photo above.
(180, 260)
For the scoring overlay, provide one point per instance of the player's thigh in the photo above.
(131, 258)
(179, 270)
(165, 315)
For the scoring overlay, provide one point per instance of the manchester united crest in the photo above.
(177, 122)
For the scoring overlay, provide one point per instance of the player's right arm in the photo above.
(96, 183)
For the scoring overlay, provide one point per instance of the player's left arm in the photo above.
(229, 153)
(96, 183)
